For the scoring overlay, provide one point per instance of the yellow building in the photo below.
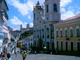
(67, 34)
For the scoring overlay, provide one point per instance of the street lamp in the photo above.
(45, 49)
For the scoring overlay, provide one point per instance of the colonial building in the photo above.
(62, 35)
(67, 34)
(4, 32)
(28, 42)
(43, 21)
(24, 29)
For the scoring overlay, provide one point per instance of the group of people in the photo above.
(8, 56)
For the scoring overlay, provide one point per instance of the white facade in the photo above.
(44, 20)
(3, 24)
(28, 42)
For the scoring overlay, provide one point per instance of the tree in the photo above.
(40, 44)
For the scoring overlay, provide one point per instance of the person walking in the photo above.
(2, 56)
(24, 55)
(15, 53)
(9, 56)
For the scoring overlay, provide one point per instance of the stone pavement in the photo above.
(45, 57)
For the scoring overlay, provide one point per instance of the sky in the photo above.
(21, 11)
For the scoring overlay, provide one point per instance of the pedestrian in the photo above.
(24, 55)
(35, 52)
(15, 53)
(2, 56)
(9, 56)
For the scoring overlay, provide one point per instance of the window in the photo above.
(47, 36)
(34, 15)
(47, 8)
(66, 46)
(78, 32)
(47, 18)
(72, 46)
(57, 45)
(56, 33)
(71, 32)
(78, 46)
(55, 8)
(66, 33)
(37, 36)
(61, 45)
(61, 33)
(31, 44)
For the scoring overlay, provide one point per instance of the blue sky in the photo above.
(20, 11)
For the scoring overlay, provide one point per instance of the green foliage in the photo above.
(26, 34)
(12, 40)
(40, 44)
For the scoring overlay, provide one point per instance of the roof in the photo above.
(71, 18)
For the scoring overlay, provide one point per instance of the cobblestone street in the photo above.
(45, 57)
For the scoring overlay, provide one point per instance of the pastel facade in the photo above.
(28, 42)
(62, 35)
(67, 34)
(3, 24)
(44, 18)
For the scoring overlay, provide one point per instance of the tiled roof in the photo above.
(71, 18)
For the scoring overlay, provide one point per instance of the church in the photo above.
(55, 34)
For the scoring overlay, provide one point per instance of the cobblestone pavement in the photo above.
(44, 57)
(51, 57)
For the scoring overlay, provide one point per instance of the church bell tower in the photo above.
(52, 10)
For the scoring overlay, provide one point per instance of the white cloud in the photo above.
(63, 10)
(15, 21)
(65, 2)
(31, 24)
(23, 8)
(27, 7)
(24, 24)
(67, 14)
(29, 17)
